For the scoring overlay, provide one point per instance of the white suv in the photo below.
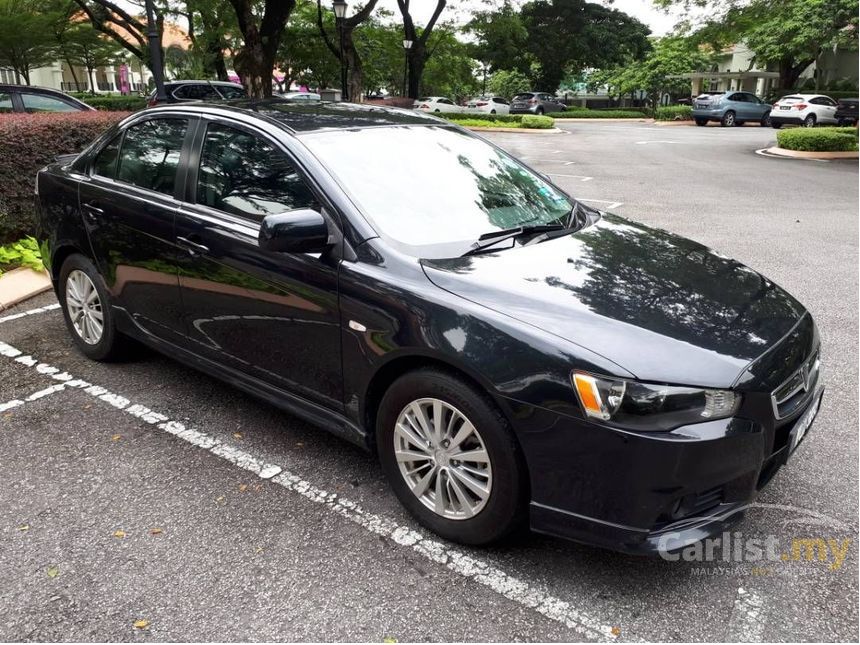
(807, 110)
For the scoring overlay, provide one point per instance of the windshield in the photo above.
(424, 186)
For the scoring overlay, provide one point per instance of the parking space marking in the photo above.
(31, 312)
(470, 567)
(642, 143)
(580, 177)
(35, 396)
(746, 624)
(609, 205)
(562, 162)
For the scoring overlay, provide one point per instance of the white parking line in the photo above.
(642, 143)
(35, 396)
(471, 567)
(746, 624)
(31, 312)
(538, 160)
(609, 205)
(580, 177)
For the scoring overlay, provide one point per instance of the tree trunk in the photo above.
(417, 61)
(255, 61)
(355, 75)
(74, 76)
(790, 71)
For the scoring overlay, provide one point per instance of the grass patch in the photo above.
(524, 121)
(818, 139)
(23, 253)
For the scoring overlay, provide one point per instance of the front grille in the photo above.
(790, 396)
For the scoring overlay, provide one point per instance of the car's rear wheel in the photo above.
(728, 119)
(451, 457)
(765, 120)
(85, 302)
(539, 110)
(809, 121)
(775, 125)
(701, 122)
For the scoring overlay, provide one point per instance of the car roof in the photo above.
(804, 96)
(36, 89)
(308, 117)
(201, 82)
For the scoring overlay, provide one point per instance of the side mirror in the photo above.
(299, 231)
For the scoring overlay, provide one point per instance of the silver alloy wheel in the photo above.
(85, 307)
(730, 118)
(443, 459)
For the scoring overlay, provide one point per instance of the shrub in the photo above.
(818, 139)
(23, 253)
(466, 116)
(30, 141)
(674, 113)
(537, 122)
(117, 103)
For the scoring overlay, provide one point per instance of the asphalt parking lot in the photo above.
(145, 491)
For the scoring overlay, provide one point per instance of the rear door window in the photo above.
(197, 92)
(230, 92)
(105, 162)
(244, 175)
(41, 103)
(150, 154)
(6, 103)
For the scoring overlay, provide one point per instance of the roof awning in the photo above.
(727, 75)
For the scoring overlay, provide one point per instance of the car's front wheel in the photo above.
(775, 125)
(451, 457)
(85, 302)
(809, 121)
(701, 122)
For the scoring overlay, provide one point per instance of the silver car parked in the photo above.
(730, 108)
(535, 103)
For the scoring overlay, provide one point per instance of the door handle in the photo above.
(192, 246)
(92, 211)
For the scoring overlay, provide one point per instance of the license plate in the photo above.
(784, 107)
(701, 106)
(800, 428)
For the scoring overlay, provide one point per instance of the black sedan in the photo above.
(511, 354)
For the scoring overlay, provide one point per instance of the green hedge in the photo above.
(27, 143)
(818, 139)
(674, 113)
(23, 253)
(537, 122)
(498, 118)
(116, 103)
(587, 113)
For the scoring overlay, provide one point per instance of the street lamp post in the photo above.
(407, 45)
(156, 66)
(339, 7)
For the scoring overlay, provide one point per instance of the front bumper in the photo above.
(646, 493)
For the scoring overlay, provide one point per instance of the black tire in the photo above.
(506, 507)
(728, 119)
(809, 121)
(112, 345)
(539, 110)
(492, 111)
(765, 120)
(701, 122)
(775, 125)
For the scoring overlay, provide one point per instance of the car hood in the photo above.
(661, 306)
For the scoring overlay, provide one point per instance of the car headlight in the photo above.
(649, 407)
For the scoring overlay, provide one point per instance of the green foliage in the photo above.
(537, 122)
(818, 139)
(498, 118)
(23, 253)
(508, 83)
(115, 103)
(304, 51)
(670, 56)
(674, 113)
(585, 113)
(27, 35)
(450, 70)
(28, 142)
(501, 39)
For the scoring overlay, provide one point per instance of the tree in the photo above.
(126, 30)
(567, 36)
(26, 36)
(303, 55)
(85, 47)
(419, 53)
(261, 36)
(351, 57)
(209, 23)
(508, 83)
(670, 56)
(501, 38)
(450, 70)
(787, 35)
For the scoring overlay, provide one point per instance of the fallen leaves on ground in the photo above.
(141, 623)
(616, 631)
(24, 527)
(53, 571)
(116, 437)
(389, 639)
(237, 435)
(243, 488)
(219, 500)
(119, 534)
(155, 531)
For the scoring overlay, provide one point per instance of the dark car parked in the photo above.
(509, 352)
(535, 103)
(183, 91)
(846, 111)
(30, 99)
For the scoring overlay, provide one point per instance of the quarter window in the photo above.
(243, 175)
(197, 92)
(230, 92)
(105, 163)
(6, 103)
(150, 154)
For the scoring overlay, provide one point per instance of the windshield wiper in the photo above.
(495, 237)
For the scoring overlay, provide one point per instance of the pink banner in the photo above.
(124, 87)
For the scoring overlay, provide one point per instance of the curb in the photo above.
(518, 130)
(804, 154)
(21, 283)
(573, 119)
